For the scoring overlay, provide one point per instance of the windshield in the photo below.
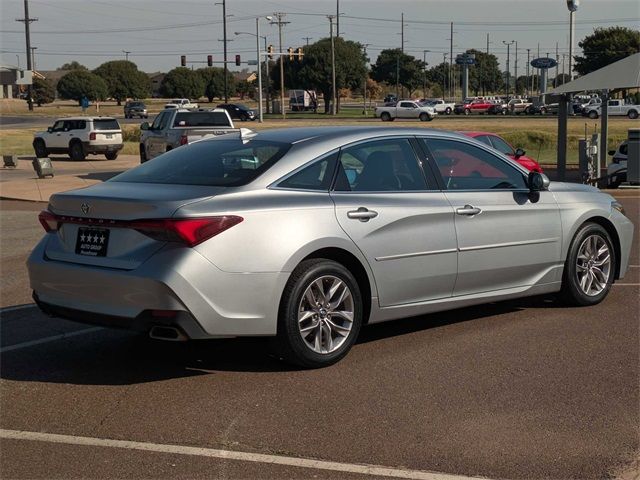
(218, 163)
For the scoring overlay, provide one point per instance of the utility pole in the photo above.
(508, 44)
(27, 22)
(307, 39)
(424, 72)
(487, 44)
(402, 32)
(260, 114)
(366, 76)
(444, 76)
(451, 92)
(126, 54)
(280, 23)
(337, 18)
(225, 41)
(528, 79)
(555, 81)
(333, 65)
(515, 84)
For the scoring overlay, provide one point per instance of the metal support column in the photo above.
(563, 116)
(604, 131)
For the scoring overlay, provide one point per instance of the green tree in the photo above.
(244, 88)
(605, 46)
(213, 81)
(79, 83)
(314, 71)
(43, 91)
(72, 66)
(395, 67)
(484, 75)
(124, 80)
(182, 82)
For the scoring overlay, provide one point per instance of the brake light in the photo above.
(190, 231)
(184, 140)
(92, 136)
(48, 220)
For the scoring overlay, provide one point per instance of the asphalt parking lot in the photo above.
(524, 389)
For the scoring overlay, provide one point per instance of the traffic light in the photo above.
(210, 60)
(300, 54)
(270, 52)
(183, 60)
(238, 60)
(290, 50)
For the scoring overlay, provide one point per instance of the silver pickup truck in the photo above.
(175, 127)
(405, 109)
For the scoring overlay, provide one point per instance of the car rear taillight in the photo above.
(184, 140)
(190, 231)
(92, 136)
(48, 220)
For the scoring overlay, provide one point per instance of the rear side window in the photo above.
(316, 176)
(201, 119)
(217, 163)
(106, 124)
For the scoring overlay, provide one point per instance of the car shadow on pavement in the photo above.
(116, 357)
(101, 176)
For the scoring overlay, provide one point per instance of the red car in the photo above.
(502, 146)
(476, 106)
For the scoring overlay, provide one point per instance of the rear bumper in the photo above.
(176, 279)
(93, 148)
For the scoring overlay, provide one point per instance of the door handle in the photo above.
(468, 210)
(363, 214)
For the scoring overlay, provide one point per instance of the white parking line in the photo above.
(626, 284)
(375, 470)
(53, 338)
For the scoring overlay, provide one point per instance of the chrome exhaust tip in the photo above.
(171, 334)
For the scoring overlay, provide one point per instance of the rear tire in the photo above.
(315, 331)
(448, 111)
(111, 155)
(593, 114)
(467, 111)
(590, 267)
(385, 117)
(423, 117)
(40, 148)
(632, 114)
(76, 152)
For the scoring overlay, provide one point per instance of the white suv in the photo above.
(80, 136)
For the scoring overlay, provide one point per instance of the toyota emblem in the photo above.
(85, 208)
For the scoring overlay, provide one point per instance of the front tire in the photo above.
(424, 117)
(143, 154)
(320, 314)
(385, 117)
(448, 111)
(593, 114)
(632, 114)
(590, 267)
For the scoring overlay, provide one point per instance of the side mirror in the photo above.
(612, 152)
(538, 181)
(50, 129)
(144, 126)
(519, 152)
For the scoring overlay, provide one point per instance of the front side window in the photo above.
(218, 163)
(466, 167)
(58, 126)
(379, 166)
(159, 120)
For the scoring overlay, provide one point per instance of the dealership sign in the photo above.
(543, 62)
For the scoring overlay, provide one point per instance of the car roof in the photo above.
(476, 133)
(85, 118)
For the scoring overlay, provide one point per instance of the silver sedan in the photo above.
(306, 235)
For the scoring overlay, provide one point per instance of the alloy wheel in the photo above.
(593, 265)
(326, 314)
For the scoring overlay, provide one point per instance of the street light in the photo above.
(572, 5)
(424, 72)
(258, 37)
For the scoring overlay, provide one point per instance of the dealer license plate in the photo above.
(92, 241)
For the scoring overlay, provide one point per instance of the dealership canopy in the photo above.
(624, 73)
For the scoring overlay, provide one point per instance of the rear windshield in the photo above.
(211, 163)
(201, 119)
(136, 104)
(106, 124)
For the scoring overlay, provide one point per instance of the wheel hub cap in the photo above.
(593, 265)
